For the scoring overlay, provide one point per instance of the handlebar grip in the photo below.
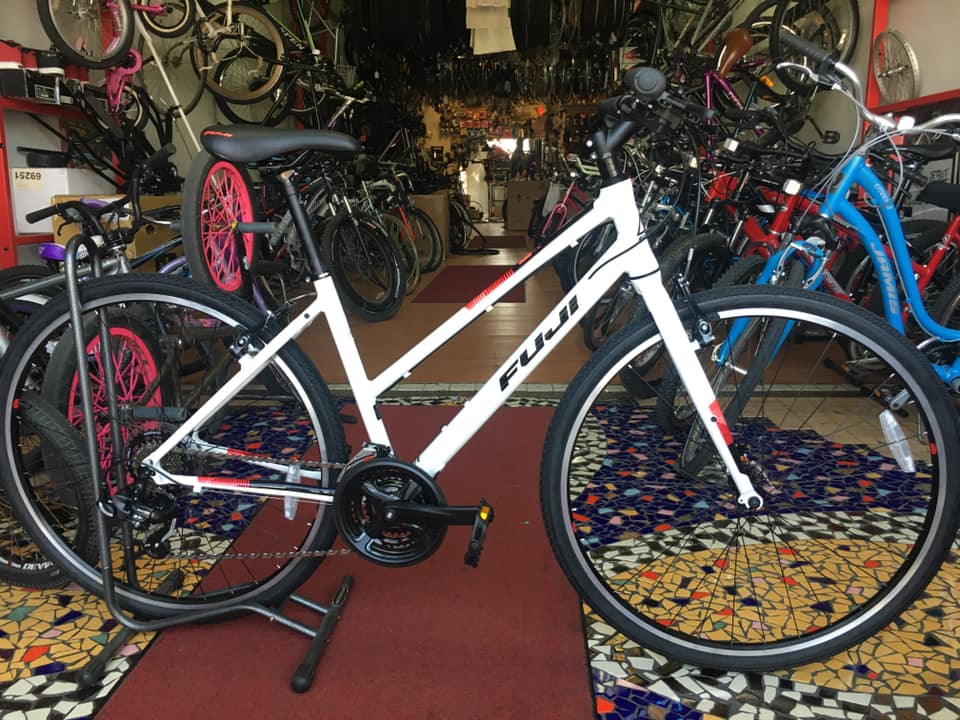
(259, 228)
(609, 106)
(646, 83)
(42, 214)
(816, 53)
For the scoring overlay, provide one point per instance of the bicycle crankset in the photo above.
(394, 514)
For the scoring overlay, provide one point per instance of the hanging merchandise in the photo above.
(490, 28)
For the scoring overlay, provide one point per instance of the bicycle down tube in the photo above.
(629, 251)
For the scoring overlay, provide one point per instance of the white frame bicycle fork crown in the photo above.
(630, 253)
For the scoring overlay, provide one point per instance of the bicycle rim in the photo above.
(240, 59)
(225, 200)
(176, 18)
(848, 535)
(285, 414)
(94, 33)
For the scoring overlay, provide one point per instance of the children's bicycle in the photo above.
(804, 531)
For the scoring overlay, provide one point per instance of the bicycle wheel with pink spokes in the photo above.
(218, 194)
(141, 379)
(92, 33)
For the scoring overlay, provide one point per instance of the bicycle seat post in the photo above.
(300, 221)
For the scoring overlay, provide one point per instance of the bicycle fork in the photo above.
(682, 352)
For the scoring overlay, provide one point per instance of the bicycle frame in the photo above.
(629, 251)
(858, 172)
(881, 254)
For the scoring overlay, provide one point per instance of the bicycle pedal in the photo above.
(478, 536)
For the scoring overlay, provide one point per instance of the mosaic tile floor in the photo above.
(911, 670)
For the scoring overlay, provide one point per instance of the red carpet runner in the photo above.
(438, 640)
(461, 283)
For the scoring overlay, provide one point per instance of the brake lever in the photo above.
(806, 71)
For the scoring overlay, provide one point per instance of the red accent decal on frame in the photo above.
(224, 482)
(721, 422)
(493, 286)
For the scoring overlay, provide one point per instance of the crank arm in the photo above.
(416, 514)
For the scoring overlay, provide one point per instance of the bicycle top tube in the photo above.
(857, 172)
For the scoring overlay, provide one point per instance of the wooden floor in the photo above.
(472, 356)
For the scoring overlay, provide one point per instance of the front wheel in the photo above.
(248, 49)
(365, 266)
(217, 194)
(92, 33)
(674, 562)
(54, 461)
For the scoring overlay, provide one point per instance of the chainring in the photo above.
(360, 492)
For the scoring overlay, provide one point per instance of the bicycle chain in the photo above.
(263, 555)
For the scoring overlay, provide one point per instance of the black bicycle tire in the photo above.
(186, 106)
(181, 28)
(57, 437)
(20, 275)
(800, 305)
(164, 288)
(458, 231)
(200, 58)
(635, 377)
(395, 290)
(68, 49)
(777, 51)
(437, 255)
(406, 247)
(278, 111)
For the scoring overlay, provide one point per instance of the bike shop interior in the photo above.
(418, 157)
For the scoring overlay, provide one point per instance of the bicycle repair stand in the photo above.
(93, 671)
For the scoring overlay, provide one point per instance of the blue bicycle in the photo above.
(802, 263)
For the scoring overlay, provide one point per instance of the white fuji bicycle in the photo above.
(815, 518)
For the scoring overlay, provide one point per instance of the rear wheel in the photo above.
(672, 560)
(184, 549)
(830, 24)
(143, 380)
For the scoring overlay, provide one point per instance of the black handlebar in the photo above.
(77, 210)
(823, 57)
(42, 213)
